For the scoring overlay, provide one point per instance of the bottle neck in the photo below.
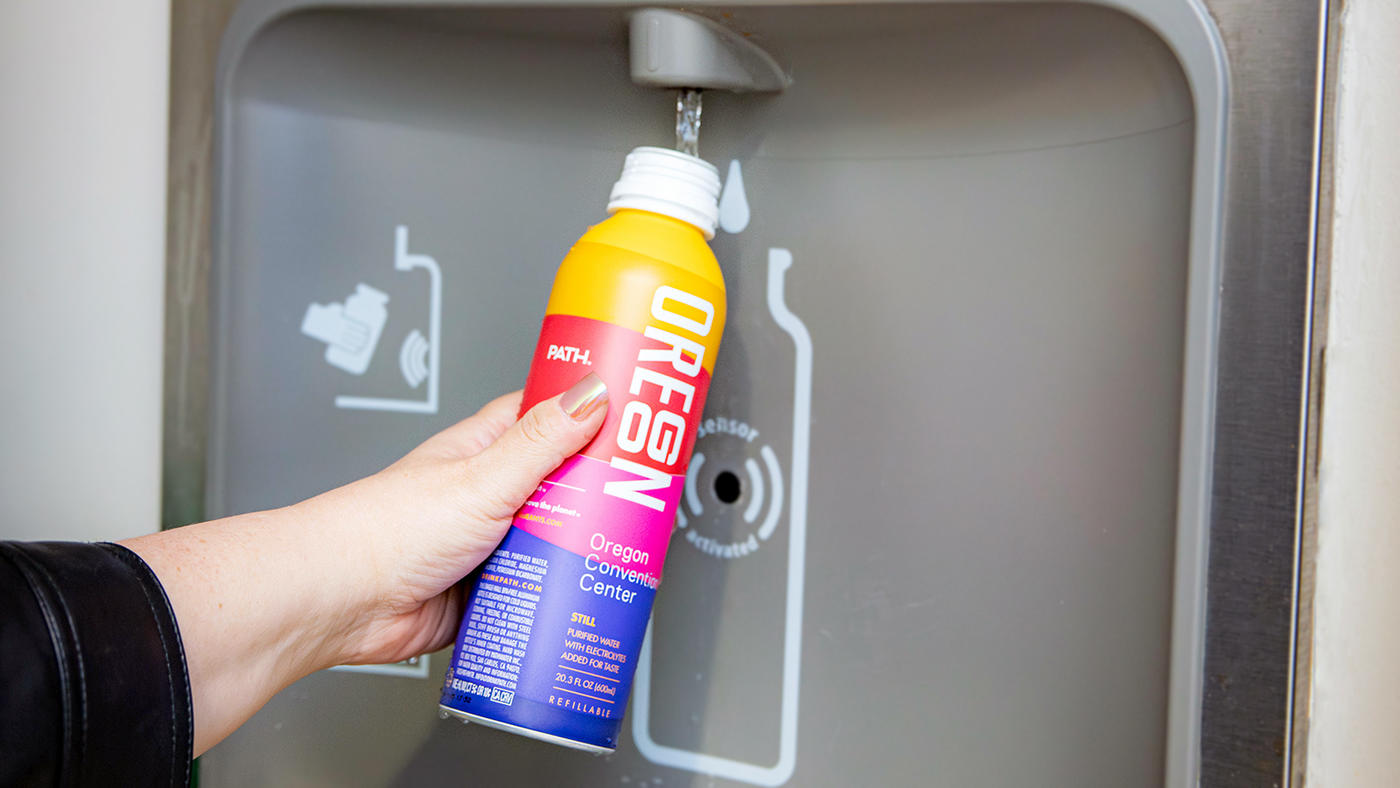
(670, 183)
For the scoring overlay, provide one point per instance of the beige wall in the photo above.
(83, 84)
(1354, 737)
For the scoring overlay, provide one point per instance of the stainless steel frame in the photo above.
(1248, 725)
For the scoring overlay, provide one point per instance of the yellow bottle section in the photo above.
(616, 267)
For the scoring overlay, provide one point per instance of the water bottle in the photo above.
(556, 617)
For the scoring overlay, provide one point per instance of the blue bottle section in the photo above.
(542, 648)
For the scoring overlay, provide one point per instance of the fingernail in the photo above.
(584, 397)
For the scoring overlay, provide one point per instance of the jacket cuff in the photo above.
(103, 695)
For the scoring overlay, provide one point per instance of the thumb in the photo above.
(508, 471)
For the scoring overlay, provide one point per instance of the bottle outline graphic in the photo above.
(413, 668)
(352, 330)
(403, 261)
(780, 260)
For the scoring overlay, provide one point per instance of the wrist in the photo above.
(341, 578)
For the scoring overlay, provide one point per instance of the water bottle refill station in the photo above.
(949, 515)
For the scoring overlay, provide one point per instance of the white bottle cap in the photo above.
(670, 183)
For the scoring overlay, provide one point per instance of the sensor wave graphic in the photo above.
(413, 359)
(759, 490)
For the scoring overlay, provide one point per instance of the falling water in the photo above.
(688, 121)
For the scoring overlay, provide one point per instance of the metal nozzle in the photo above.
(675, 49)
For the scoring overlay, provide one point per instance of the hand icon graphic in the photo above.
(350, 330)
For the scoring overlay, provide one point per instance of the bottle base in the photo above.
(521, 731)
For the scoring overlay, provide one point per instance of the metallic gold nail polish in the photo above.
(584, 397)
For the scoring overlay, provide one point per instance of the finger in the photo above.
(505, 473)
(471, 435)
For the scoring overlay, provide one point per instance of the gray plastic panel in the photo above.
(984, 264)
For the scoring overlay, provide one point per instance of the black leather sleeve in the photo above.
(93, 686)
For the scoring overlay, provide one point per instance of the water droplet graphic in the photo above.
(733, 202)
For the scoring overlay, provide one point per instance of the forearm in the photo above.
(252, 599)
(365, 573)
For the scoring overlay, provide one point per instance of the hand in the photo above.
(365, 573)
(432, 517)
